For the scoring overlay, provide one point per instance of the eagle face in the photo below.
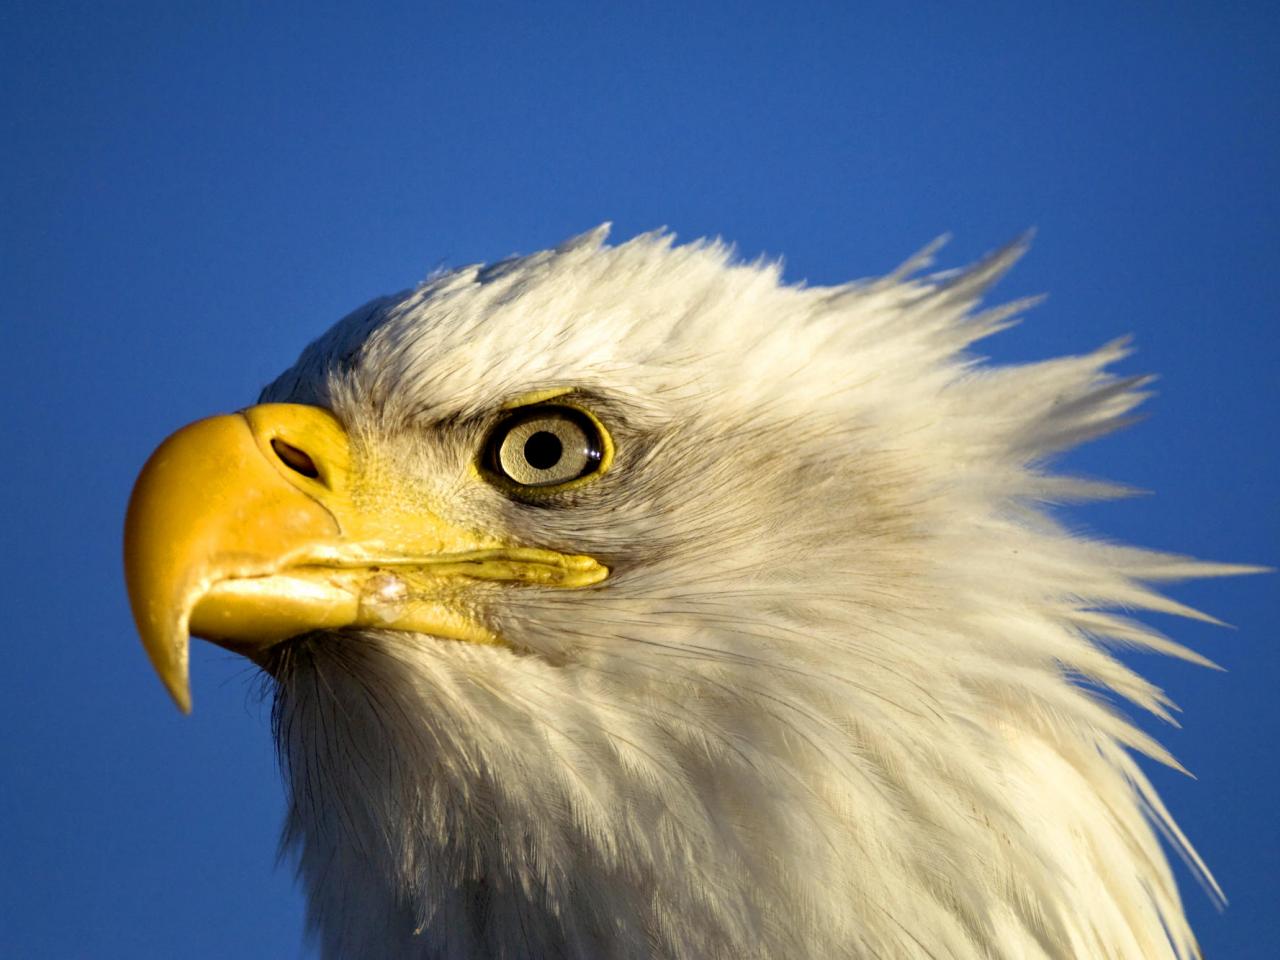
(625, 602)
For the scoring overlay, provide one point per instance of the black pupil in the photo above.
(542, 450)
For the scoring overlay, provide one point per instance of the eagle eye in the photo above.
(545, 446)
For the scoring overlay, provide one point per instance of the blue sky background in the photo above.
(190, 192)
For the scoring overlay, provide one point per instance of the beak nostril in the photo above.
(296, 460)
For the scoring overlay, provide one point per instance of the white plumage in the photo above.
(844, 693)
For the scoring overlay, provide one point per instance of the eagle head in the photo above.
(627, 602)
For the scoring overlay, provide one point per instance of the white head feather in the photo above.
(829, 703)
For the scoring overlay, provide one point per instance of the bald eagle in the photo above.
(626, 602)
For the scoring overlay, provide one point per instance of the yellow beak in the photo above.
(242, 529)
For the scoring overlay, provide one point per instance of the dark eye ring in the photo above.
(545, 446)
